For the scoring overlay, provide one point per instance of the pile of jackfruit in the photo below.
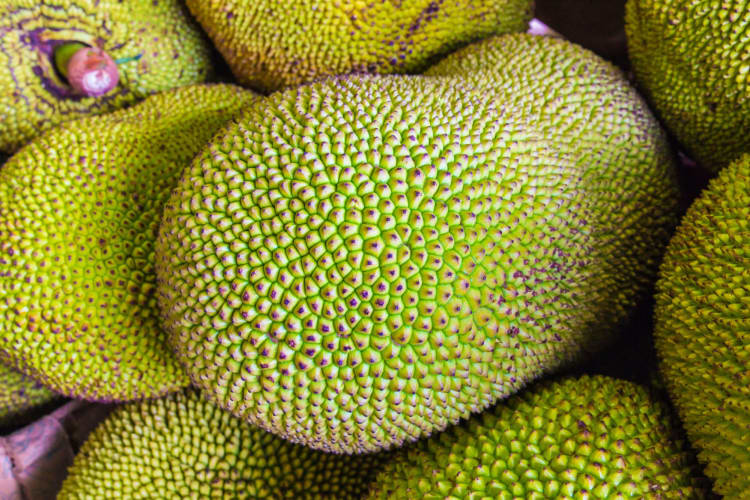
(378, 249)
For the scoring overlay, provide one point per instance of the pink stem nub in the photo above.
(92, 72)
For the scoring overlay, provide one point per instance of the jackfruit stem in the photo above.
(90, 71)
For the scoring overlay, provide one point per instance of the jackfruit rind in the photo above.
(20, 394)
(586, 108)
(362, 261)
(702, 329)
(272, 45)
(592, 437)
(172, 53)
(185, 447)
(690, 59)
(80, 210)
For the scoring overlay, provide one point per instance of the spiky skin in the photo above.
(35, 98)
(20, 394)
(690, 59)
(272, 45)
(593, 437)
(702, 329)
(80, 210)
(362, 261)
(585, 107)
(185, 447)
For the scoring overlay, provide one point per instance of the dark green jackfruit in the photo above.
(592, 437)
(702, 328)
(363, 261)
(79, 210)
(184, 447)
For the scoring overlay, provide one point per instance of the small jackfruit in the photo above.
(271, 45)
(80, 209)
(690, 58)
(363, 261)
(185, 447)
(19, 394)
(702, 329)
(592, 437)
(164, 48)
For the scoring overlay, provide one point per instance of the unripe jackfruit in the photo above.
(166, 45)
(702, 329)
(271, 45)
(19, 394)
(184, 447)
(80, 210)
(363, 261)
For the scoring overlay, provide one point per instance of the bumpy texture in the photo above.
(586, 109)
(362, 261)
(702, 327)
(184, 447)
(691, 59)
(592, 437)
(80, 207)
(20, 394)
(270, 44)
(34, 98)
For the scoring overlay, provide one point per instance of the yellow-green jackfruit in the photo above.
(184, 447)
(592, 437)
(80, 210)
(691, 60)
(585, 107)
(702, 329)
(165, 44)
(271, 45)
(19, 394)
(363, 261)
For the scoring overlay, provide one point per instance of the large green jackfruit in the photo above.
(34, 97)
(19, 394)
(79, 210)
(593, 437)
(691, 60)
(702, 329)
(362, 261)
(271, 45)
(585, 107)
(185, 447)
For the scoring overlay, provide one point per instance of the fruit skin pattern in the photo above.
(587, 110)
(702, 329)
(171, 49)
(19, 394)
(592, 437)
(80, 210)
(362, 261)
(271, 45)
(182, 447)
(690, 59)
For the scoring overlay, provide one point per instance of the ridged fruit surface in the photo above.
(34, 96)
(272, 45)
(182, 447)
(362, 261)
(79, 210)
(702, 329)
(690, 57)
(20, 394)
(592, 437)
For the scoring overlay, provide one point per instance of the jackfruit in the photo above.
(690, 59)
(592, 437)
(184, 447)
(587, 109)
(19, 395)
(80, 209)
(271, 45)
(164, 48)
(702, 328)
(362, 261)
